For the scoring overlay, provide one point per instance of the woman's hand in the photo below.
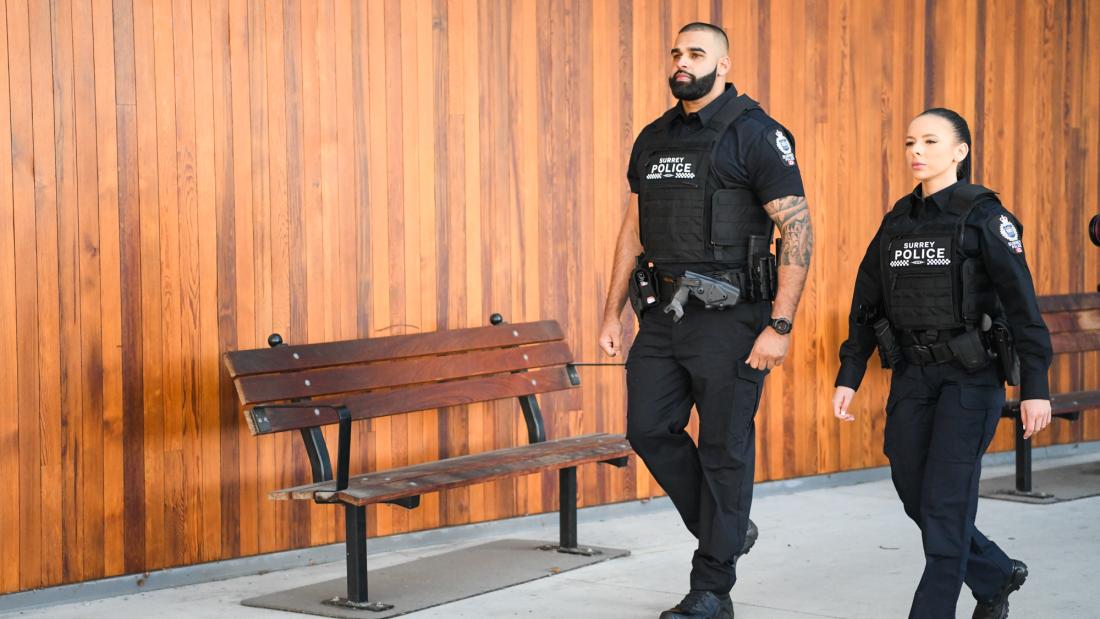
(842, 399)
(1034, 415)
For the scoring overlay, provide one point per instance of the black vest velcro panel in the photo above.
(929, 282)
(685, 214)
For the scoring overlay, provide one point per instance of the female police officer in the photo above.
(943, 282)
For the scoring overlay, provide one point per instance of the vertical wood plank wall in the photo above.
(186, 176)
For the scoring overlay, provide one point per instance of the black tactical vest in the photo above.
(928, 281)
(685, 214)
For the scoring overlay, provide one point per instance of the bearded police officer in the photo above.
(708, 179)
(945, 294)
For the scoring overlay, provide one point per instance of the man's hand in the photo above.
(769, 351)
(627, 247)
(1034, 415)
(611, 337)
(842, 399)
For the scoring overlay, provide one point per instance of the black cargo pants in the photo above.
(939, 422)
(700, 361)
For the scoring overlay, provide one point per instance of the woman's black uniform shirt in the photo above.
(1004, 260)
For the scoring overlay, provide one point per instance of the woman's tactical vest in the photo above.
(928, 282)
(685, 214)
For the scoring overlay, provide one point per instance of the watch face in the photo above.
(782, 326)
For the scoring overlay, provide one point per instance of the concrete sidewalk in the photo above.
(843, 551)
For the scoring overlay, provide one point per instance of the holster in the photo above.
(889, 351)
(715, 293)
(763, 273)
(1008, 361)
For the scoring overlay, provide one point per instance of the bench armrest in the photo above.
(343, 448)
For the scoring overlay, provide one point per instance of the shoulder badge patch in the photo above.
(1009, 234)
(783, 147)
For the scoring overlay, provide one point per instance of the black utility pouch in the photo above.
(969, 350)
(644, 291)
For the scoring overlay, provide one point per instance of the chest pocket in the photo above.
(922, 291)
(735, 218)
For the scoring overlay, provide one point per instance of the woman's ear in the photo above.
(961, 151)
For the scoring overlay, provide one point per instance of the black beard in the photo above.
(694, 90)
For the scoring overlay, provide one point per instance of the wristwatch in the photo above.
(781, 325)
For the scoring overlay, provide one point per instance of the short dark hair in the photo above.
(962, 133)
(711, 28)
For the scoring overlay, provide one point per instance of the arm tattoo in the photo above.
(793, 218)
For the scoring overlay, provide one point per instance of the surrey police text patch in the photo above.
(673, 166)
(920, 252)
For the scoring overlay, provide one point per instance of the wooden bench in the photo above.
(1074, 323)
(302, 388)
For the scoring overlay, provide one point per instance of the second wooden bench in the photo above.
(1074, 324)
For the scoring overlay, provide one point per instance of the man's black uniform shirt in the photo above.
(1004, 261)
(747, 156)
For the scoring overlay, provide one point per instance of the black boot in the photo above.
(701, 605)
(750, 540)
(751, 534)
(997, 608)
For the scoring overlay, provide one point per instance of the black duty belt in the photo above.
(931, 347)
(927, 354)
(668, 283)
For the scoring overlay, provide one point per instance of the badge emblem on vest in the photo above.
(1011, 235)
(783, 145)
(919, 253)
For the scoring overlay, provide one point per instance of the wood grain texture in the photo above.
(397, 373)
(439, 475)
(185, 177)
(276, 418)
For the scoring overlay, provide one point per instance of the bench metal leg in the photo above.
(1023, 466)
(567, 506)
(567, 510)
(355, 530)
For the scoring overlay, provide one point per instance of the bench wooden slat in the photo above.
(1061, 403)
(1083, 320)
(1069, 302)
(502, 457)
(466, 470)
(1083, 341)
(275, 418)
(312, 356)
(352, 378)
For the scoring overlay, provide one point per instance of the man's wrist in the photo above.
(781, 324)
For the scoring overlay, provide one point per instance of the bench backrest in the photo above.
(1073, 320)
(298, 387)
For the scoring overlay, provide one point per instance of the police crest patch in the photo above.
(783, 146)
(1010, 234)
